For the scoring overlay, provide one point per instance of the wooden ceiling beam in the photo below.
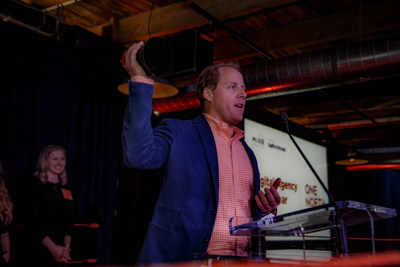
(44, 3)
(178, 17)
(297, 36)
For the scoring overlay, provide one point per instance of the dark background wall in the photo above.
(63, 91)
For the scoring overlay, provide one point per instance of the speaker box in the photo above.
(191, 55)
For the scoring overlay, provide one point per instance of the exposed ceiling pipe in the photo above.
(353, 63)
(233, 33)
(355, 124)
(60, 5)
(29, 17)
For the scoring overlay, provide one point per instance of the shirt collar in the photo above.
(220, 127)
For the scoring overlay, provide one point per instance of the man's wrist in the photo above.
(142, 79)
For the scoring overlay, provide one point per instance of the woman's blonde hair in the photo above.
(41, 172)
(6, 204)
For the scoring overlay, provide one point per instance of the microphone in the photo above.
(285, 120)
(341, 230)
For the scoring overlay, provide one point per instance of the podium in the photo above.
(315, 219)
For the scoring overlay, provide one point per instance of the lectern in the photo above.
(315, 219)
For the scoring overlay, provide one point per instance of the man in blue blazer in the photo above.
(187, 207)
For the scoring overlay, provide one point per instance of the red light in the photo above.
(369, 167)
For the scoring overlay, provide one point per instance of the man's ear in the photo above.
(207, 94)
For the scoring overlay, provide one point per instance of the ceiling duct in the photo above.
(359, 62)
(353, 63)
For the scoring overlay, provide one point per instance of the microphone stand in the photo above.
(338, 219)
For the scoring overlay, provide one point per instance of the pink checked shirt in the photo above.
(235, 190)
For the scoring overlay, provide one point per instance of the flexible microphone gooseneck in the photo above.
(341, 230)
(285, 120)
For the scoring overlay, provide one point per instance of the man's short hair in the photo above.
(209, 77)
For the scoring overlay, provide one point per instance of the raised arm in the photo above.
(142, 148)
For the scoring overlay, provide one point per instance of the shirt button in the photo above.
(213, 213)
(206, 240)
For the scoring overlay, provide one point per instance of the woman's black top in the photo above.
(50, 211)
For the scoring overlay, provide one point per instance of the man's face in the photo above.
(227, 101)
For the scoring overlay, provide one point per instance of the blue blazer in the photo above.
(185, 211)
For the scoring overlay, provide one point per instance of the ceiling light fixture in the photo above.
(162, 88)
(352, 158)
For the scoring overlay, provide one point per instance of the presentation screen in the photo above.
(277, 156)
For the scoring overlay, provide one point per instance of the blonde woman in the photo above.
(6, 208)
(51, 209)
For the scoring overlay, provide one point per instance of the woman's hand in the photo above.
(6, 256)
(61, 254)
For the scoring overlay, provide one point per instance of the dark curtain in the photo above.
(63, 91)
(379, 187)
